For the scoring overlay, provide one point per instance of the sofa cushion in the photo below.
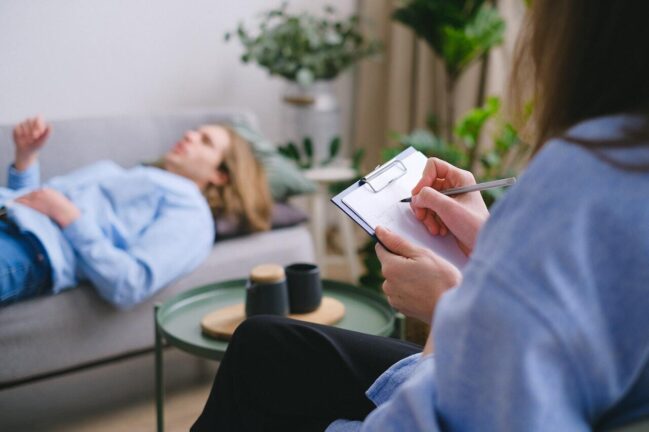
(283, 215)
(284, 176)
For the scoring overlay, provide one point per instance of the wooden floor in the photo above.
(182, 407)
(181, 410)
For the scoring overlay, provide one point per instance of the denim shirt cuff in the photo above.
(24, 179)
(391, 379)
(342, 425)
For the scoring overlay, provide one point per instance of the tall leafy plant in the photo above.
(459, 31)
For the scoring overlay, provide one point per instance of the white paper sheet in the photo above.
(383, 208)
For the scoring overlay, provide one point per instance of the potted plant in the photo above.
(459, 31)
(309, 52)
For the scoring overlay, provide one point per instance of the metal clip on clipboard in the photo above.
(384, 175)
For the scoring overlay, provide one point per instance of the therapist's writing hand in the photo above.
(415, 278)
(53, 204)
(463, 215)
(29, 136)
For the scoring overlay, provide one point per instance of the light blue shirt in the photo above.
(549, 330)
(139, 229)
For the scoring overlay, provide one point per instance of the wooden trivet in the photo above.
(221, 323)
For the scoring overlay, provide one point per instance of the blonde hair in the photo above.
(245, 198)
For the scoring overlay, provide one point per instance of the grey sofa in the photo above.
(75, 330)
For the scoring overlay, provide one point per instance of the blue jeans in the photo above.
(25, 270)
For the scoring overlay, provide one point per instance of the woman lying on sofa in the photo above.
(128, 232)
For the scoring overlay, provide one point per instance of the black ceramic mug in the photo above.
(266, 291)
(304, 287)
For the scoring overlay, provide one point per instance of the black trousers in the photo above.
(283, 375)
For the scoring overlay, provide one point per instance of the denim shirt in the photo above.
(549, 330)
(139, 229)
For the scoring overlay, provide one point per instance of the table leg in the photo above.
(400, 325)
(319, 221)
(159, 375)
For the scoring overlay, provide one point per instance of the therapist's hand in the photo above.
(415, 278)
(53, 204)
(463, 215)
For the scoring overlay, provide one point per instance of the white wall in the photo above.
(81, 58)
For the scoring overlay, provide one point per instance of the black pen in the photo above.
(473, 188)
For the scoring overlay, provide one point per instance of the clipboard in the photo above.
(378, 172)
(389, 183)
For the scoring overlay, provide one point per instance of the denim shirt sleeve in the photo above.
(412, 374)
(382, 389)
(391, 379)
(149, 263)
(492, 371)
(30, 178)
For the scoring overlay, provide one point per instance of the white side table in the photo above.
(323, 177)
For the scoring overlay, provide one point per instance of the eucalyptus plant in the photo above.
(304, 48)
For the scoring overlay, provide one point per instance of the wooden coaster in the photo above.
(221, 323)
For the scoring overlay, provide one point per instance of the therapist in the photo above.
(546, 327)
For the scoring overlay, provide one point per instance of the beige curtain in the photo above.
(398, 90)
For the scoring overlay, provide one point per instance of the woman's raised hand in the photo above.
(463, 215)
(29, 137)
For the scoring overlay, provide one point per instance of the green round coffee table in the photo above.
(177, 320)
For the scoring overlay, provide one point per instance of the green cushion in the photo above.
(284, 177)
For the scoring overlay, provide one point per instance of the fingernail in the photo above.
(414, 199)
(381, 230)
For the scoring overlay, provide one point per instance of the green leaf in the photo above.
(307, 145)
(470, 126)
(507, 139)
(490, 159)
(395, 136)
(357, 159)
(292, 152)
(389, 153)
(459, 31)
(428, 17)
(334, 147)
(432, 123)
(284, 152)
